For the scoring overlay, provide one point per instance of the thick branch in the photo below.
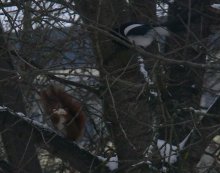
(67, 150)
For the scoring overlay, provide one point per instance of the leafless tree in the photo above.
(72, 44)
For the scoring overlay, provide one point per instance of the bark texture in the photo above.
(20, 149)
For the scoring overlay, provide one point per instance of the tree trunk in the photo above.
(185, 81)
(20, 149)
(127, 112)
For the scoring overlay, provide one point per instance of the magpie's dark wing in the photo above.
(116, 32)
(139, 30)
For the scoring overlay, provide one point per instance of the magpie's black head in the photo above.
(119, 33)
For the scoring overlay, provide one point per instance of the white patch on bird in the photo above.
(144, 41)
(161, 31)
(216, 6)
(130, 27)
(147, 39)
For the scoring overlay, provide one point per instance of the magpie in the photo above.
(140, 34)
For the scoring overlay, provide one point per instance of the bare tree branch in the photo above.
(67, 150)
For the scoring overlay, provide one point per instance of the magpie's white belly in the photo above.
(141, 40)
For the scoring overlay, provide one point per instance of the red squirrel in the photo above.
(64, 111)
